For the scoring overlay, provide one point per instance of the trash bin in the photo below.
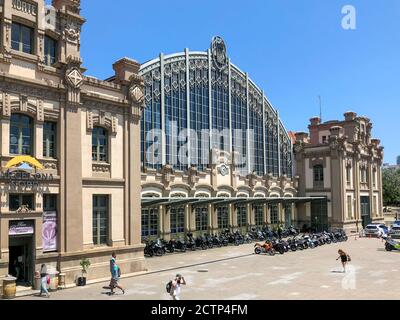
(53, 286)
(9, 288)
(38, 281)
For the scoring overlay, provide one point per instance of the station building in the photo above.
(185, 142)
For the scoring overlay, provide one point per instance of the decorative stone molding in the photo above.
(40, 111)
(98, 167)
(252, 179)
(31, 90)
(6, 109)
(74, 80)
(193, 177)
(50, 164)
(167, 173)
(101, 119)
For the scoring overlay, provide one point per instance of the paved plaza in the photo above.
(236, 273)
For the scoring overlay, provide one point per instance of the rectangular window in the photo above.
(222, 213)
(20, 201)
(274, 214)
(202, 219)
(22, 38)
(50, 51)
(177, 216)
(100, 219)
(348, 175)
(349, 207)
(149, 222)
(49, 202)
(241, 216)
(259, 215)
(49, 139)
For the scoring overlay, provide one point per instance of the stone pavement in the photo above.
(232, 273)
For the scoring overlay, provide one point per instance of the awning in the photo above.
(196, 202)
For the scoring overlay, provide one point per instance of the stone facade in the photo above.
(60, 92)
(349, 162)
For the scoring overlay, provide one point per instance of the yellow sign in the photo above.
(24, 159)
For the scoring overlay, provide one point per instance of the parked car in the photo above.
(395, 231)
(396, 223)
(373, 229)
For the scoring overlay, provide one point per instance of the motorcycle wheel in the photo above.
(159, 252)
(183, 249)
(226, 244)
(271, 252)
(204, 246)
(293, 248)
(282, 251)
(257, 251)
(388, 247)
(193, 248)
(301, 248)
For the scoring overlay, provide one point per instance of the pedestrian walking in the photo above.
(280, 231)
(176, 287)
(44, 281)
(345, 258)
(115, 274)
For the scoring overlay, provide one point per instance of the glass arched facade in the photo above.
(191, 92)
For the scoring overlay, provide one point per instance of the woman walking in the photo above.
(344, 258)
(43, 281)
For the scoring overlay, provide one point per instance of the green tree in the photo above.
(391, 186)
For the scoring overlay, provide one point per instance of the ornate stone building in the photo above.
(341, 161)
(70, 166)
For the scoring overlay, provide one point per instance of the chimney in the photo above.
(301, 136)
(124, 69)
(315, 121)
(350, 116)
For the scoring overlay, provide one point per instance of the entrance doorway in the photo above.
(21, 261)
(319, 215)
(365, 211)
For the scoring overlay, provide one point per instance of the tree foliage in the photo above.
(391, 186)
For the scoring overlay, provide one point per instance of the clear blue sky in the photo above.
(293, 49)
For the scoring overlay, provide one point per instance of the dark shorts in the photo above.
(344, 258)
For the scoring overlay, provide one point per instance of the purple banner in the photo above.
(49, 231)
(21, 228)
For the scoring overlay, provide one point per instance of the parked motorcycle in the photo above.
(266, 248)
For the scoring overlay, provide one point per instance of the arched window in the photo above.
(21, 135)
(99, 145)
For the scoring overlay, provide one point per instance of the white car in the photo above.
(373, 229)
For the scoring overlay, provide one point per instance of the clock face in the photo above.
(224, 170)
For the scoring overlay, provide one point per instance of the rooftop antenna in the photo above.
(320, 108)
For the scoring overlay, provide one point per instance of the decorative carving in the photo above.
(49, 165)
(74, 78)
(101, 167)
(114, 127)
(89, 120)
(136, 93)
(39, 110)
(23, 103)
(252, 178)
(167, 174)
(218, 53)
(6, 105)
(72, 32)
(193, 176)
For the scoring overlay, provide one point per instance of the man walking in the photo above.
(115, 274)
(176, 287)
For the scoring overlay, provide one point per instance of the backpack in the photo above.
(168, 287)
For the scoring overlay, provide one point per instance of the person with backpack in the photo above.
(174, 287)
(115, 274)
(44, 281)
(345, 258)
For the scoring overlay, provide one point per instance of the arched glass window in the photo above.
(99, 145)
(21, 135)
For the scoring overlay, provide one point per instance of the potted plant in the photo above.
(85, 264)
